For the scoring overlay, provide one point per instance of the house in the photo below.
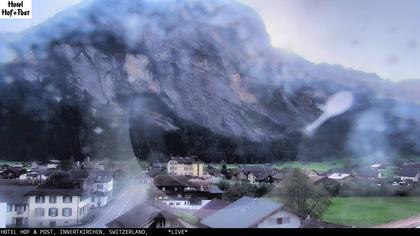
(340, 177)
(33, 176)
(409, 173)
(12, 194)
(155, 172)
(57, 207)
(158, 165)
(185, 166)
(366, 173)
(3, 207)
(310, 172)
(257, 174)
(250, 212)
(210, 208)
(50, 164)
(4, 167)
(102, 189)
(184, 191)
(147, 215)
(12, 172)
(59, 202)
(211, 172)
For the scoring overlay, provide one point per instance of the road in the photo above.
(125, 201)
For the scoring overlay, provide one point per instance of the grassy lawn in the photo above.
(371, 211)
(318, 166)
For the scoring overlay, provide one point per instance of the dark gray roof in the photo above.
(159, 165)
(243, 213)
(171, 180)
(366, 172)
(210, 208)
(102, 175)
(139, 216)
(155, 172)
(409, 171)
(14, 194)
(260, 172)
(56, 192)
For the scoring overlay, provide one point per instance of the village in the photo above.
(188, 193)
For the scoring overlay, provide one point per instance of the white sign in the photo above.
(17, 9)
(3, 211)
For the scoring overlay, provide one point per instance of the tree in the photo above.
(224, 170)
(301, 195)
(67, 164)
(238, 190)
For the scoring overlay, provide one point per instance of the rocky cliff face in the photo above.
(161, 77)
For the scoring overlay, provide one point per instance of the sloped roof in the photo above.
(366, 172)
(210, 208)
(260, 172)
(171, 180)
(317, 178)
(243, 213)
(338, 176)
(14, 194)
(56, 192)
(140, 216)
(102, 175)
(409, 171)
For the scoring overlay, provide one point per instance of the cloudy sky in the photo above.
(381, 36)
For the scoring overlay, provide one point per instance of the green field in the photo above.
(371, 211)
(318, 166)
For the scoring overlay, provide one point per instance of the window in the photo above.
(163, 188)
(92, 199)
(178, 203)
(283, 220)
(53, 224)
(100, 186)
(39, 199)
(20, 208)
(67, 212)
(179, 195)
(53, 199)
(67, 199)
(39, 211)
(171, 204)
(9, 207)
(53, 212)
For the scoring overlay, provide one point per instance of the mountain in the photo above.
(114, 78)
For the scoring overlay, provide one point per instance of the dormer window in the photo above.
(67, 199)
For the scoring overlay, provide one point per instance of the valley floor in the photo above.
(371, 211)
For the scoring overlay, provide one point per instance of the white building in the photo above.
(409, 173)
(33, 176)
(57, 207)
(17, 209)
(102, 189)
(3, 207)
(183, 203)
